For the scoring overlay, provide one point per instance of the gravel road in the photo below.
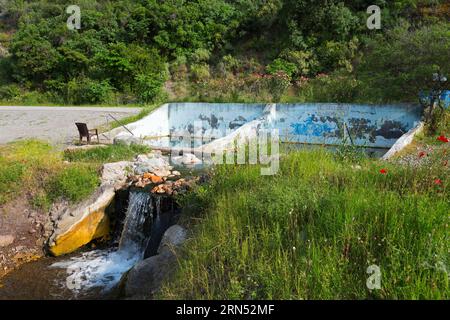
(54, 124)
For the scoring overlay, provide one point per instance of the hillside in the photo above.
(218, 50)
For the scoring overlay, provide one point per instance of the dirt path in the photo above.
(54, 124)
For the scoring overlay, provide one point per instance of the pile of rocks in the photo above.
(169, 185)
(155, 170)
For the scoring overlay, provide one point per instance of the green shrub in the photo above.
(200, 72)
(305, 61)
(278, 65)
(278, 83)
(200, 56)
(149, 88)
(9, 92)
(338, 87)
(88, 91)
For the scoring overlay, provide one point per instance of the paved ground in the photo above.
(54, 124)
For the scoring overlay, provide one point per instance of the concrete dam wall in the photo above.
(376, 126)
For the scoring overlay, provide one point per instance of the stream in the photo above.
(94, 274)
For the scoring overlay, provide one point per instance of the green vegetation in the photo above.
(312, 230)
(146, 51)
(442, 129)
(34, 170)
(111, 153)
(144, 112)
(73, 183)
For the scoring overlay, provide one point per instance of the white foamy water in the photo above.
(104, 268)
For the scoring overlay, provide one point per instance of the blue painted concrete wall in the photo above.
(368, 125)
(216, 118)
(315, 123)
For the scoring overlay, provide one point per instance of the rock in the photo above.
(176, 173)
(6, 240)
(127, 140)
(153, 178)
(142, 158)
(82, 224)
(163, 172)
(186, 159)
(146, 277)
(116, 173)
(172, 238)
(152, 164)
(19, 248)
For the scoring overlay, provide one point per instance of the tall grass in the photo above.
(312, 230)
(34, 170)
(110, 153)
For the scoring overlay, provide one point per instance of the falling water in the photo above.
(104, 268)
(134, 233)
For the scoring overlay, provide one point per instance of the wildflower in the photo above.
(438, 182)
(422, 154)
(443, 139)
(383, 171)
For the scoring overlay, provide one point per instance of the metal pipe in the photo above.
(121, 124)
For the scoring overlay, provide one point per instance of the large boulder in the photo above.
(78, 226)
(154, 162)
(172, 238)
(146, 277)
(116, 174)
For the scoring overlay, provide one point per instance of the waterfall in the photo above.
(134, 233)
(104, 268)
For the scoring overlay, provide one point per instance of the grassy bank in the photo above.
(35, 170)
(312, 230)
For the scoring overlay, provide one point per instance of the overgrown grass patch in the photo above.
(35, 170)
(109, 153)
(312, 230)
(73, 183)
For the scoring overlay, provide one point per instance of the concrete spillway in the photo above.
(375, 126)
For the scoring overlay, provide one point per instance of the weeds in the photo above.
(34, 170)
(109, 153)
(311, 231)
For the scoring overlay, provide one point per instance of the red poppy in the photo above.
(438, 182)
(383, 171)
(443, 139)
(422, 154)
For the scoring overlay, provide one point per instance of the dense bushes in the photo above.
(124, 50)
(399, 65)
